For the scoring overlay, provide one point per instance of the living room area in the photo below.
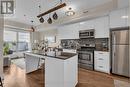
(16, 42)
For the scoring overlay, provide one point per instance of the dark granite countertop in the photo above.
(57, 54)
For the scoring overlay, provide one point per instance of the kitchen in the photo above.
(93, 45)
(100, 45)
(91, 50)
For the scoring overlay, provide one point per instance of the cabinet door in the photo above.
(127, 19)
(86, 25)
(69, 32)
(102, 27)
(118, 18)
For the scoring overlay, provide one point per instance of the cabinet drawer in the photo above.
(102, 62)
(100, 68)
(101, 54)
(102, 59)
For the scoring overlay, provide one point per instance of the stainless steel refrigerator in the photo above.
(120, 51)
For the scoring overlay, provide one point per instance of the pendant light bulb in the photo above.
(49, 20)
(55, 16)
(41, 20)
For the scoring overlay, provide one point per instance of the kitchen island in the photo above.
(61, 68)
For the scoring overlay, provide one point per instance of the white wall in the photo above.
(40, 35)
(50, 33)
(9, 23)
(34, 36)
(1, 45)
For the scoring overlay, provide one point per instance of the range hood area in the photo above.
(87, 33)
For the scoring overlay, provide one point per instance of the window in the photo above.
(24, 37)
(51, 39)
(16, 40)
(23, 41)
(10, 40)
(10, 36)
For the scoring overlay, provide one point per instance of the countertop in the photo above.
(56, 54)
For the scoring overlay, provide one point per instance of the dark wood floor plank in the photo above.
(16, 77)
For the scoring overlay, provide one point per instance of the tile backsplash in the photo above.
(69, 43)
(101, 44)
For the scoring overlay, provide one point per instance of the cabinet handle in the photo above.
(100, 53)
(100, 59)
(101, 66)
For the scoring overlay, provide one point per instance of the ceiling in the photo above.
(27, 10)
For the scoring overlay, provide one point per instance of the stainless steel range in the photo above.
(86, 57)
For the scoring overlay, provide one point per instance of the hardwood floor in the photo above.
(97, 79)
(94, 79)
(16, 77)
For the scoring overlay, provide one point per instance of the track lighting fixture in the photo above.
(49, 20)
(70, 12)
(55, 16)
(41, 20)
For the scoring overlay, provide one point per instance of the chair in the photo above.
(1, 84)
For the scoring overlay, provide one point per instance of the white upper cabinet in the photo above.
(119, 18)
(69, 31)
(86, 25)
(127, 19)
(102, 27)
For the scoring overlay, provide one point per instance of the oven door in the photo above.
(86, 57)
(86, 60)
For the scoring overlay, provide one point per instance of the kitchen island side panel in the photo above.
(71, 72)
(61, 73)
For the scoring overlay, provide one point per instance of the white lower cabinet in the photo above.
(102, 61)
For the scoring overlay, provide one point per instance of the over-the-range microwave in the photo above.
(87, 33)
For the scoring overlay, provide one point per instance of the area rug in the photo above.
(119, 83)
(19, 62)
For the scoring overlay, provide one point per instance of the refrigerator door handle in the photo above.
(114, 38)
(114, 54)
